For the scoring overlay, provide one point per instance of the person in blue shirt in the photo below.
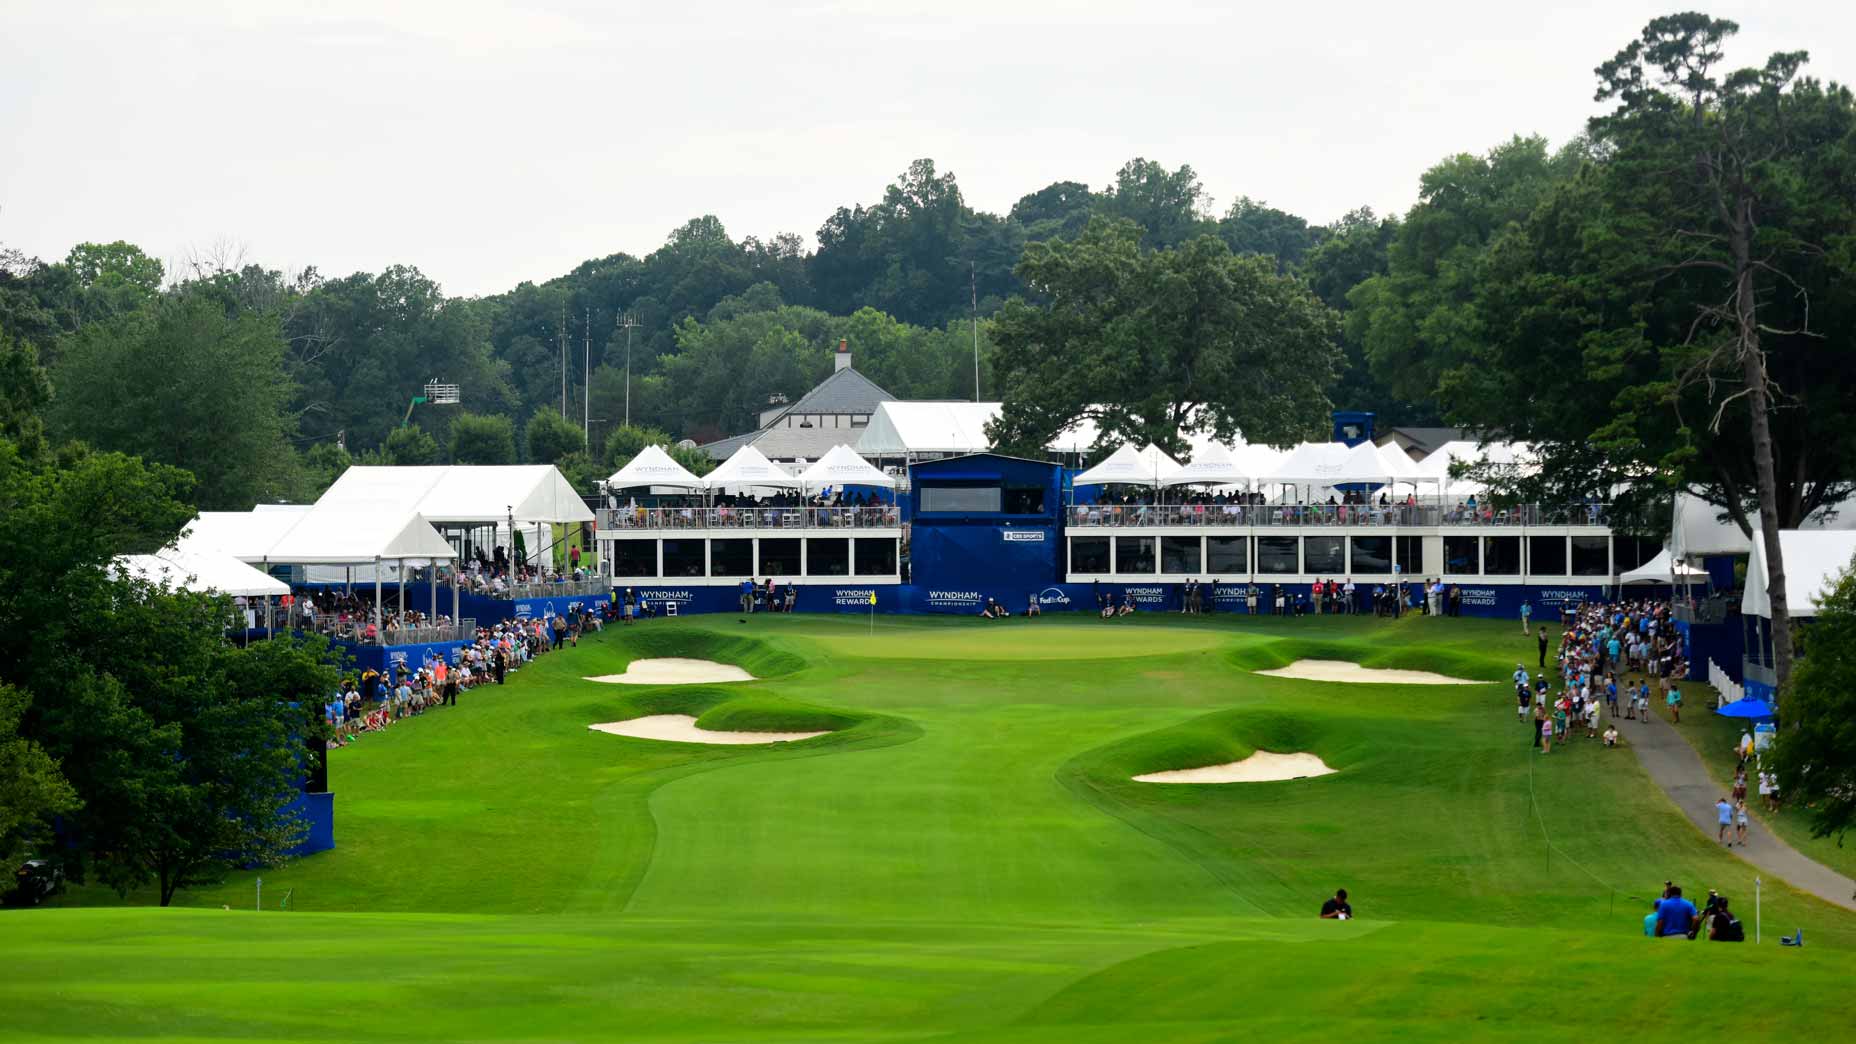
(1675, 915)
(1527, 611)
(1724, 814)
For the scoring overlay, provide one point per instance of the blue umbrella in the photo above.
(1757, 710)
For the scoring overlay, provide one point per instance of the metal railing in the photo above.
(1122, 516)
(555, 589)
(355, 630)
(1710, 610)
(700, 518)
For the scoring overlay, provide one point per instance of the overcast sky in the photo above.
(488, 143)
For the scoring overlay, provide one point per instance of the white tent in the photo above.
(461, 494)
(245, 535)
(1255, 460)
(1814, 558)
(200, 571)
(1127, 465)
(1332, 464)
(654, 467)
(912, 428)
(1518, 456)
(1664, 570)
(1211, 465)
(1698, 528)
(841, 466)
(335, 535)
(749, 468)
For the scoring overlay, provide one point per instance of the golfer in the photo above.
(1336, 909)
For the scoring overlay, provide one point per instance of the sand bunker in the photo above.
(1261, 767)
(681, 728)
(1353, 673)
(675, 670)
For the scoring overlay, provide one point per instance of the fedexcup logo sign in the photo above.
(1053, 596)
(1022, 536)
(953, 599)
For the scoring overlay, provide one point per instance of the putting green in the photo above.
(964, 854)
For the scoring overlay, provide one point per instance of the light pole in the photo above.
(628, 324)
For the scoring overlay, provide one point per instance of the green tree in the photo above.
(1253, 227)
(323, 463)
(1816, 748)
(24, 393)
(184, 384)
(551, 437)
(411, 447)
(1353, 250)
(114, 278)
(1155, 344)
(627, 441)
(1419, 319)
(1167, 205)
(478, 439)
(185, 760)
(32, 790)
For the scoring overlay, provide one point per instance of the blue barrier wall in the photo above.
(317, 811)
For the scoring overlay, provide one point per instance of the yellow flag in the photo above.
(873, 598)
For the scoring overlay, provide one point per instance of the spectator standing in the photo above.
(1527, 612)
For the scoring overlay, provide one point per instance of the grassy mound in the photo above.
(1469, 664)
(621, 645)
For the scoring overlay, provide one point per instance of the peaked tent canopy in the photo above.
(654, 467)
(1332, 464)
(200, 571)
(1212, 465)
(902, 428)
(463, 494)
(749, 468)
(841, 466)
(1814, 558)
(342, 536)
(245, 535)
(1664, 570)
(1129, 466)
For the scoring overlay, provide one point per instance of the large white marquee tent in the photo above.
(201, 571)
(1813, 561)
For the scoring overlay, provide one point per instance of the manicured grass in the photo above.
(964, 855)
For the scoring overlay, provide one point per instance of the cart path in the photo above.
(1672, 762)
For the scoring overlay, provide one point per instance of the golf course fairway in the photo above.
(964, 854)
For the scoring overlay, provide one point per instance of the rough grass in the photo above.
(963, 857)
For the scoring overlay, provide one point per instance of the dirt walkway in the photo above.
(1675, 767)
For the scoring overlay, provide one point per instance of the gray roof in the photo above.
(1425, 440)
(845, 393)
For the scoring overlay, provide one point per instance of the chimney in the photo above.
(842, 361)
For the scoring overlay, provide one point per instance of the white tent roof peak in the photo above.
(841, 466)
(1212, 464)
(654, 467)
(749, 468)
(1128, 466)
(1333, 464)
(1664, 570)
(344, 535)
